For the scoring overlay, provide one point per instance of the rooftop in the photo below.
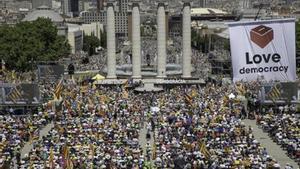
(207, 11)
(44, 12)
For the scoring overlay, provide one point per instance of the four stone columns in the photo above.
(161, 40)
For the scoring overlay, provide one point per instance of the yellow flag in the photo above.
(58, 89)
(204, 150)
(51, 158)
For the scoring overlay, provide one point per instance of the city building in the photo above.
(100, 5)
(85, 5)
(99, 15)
(12, 5)
(75, 38)
(198, 15)
(93, 16)
(94, 28)
(38, 3)
(121, 20)
(10, 18)
(123, 5)
(70, 7)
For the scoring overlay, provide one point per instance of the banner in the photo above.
(263, 50)
(286, 91)
(25, 92)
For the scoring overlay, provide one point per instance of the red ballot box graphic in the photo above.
(262, 35)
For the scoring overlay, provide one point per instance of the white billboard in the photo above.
(263, 50)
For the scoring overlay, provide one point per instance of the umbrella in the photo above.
(98, 77)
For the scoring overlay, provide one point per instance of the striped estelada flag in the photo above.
(188, 99)
(275, 92)
(66, 160)
(125, 90)
(125, 94)
(204, 150)
(65, 156)
(92, 154)
(126, 84)
(58, 89)
(154, 151)
(15, 94)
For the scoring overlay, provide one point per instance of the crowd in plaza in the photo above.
(194, 127)
(206, 133)
(187, 127)
(15, 131)
(98, 129)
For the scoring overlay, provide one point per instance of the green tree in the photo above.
(90, 43)
(27, 42)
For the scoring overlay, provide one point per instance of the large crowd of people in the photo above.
(98, 129)
(187, 127)
(15, 131)
(205, 133)
(193, 127)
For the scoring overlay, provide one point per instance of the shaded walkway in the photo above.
(28, 146)
(273, 149)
